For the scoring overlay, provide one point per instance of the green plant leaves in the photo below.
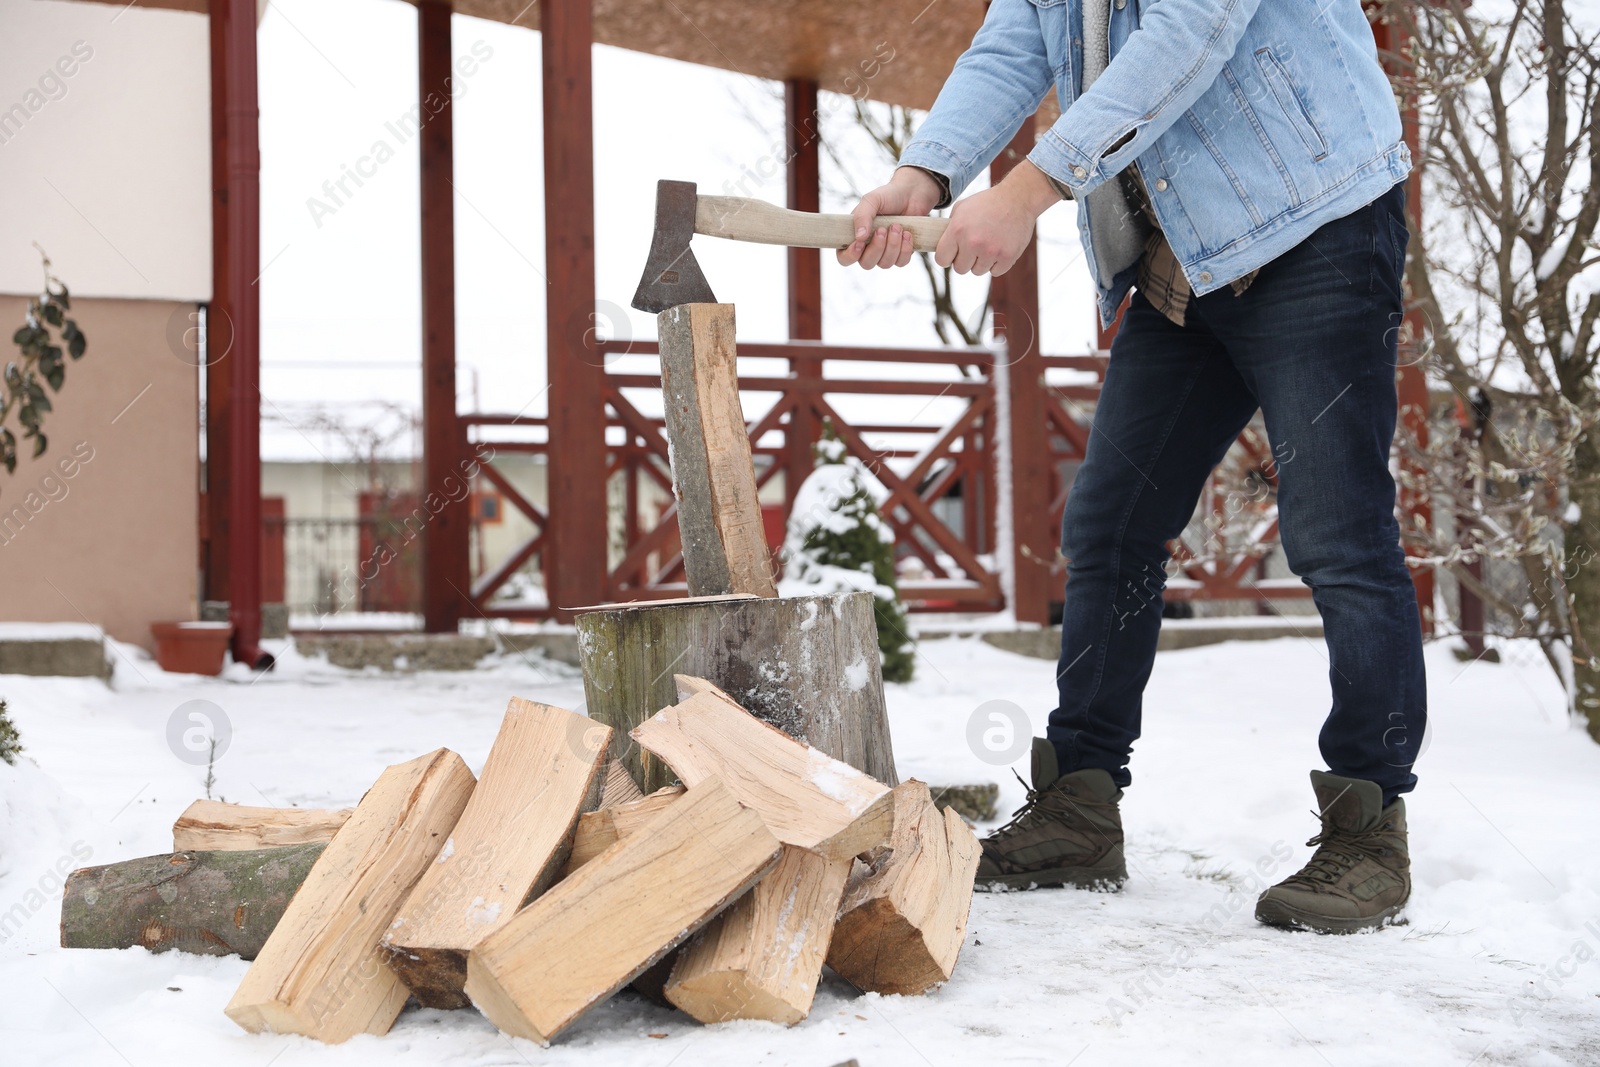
(76, 342)
(42, 357)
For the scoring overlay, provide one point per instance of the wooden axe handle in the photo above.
(742, 219)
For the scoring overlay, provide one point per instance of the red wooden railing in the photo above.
(941, 500)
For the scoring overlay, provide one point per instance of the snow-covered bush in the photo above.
(10, 740)
(837, 542)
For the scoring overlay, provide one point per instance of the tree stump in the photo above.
(212, 903)
(806, 665)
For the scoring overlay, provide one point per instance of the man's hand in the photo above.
(989, 231)
(910, 192)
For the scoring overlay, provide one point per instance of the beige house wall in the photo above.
(103, 527)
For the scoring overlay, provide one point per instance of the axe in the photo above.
(671, 275)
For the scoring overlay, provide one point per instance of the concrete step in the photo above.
(62, 649)
(1045, 642)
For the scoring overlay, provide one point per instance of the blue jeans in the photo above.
(1312, 343)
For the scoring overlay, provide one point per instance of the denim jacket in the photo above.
(1253, 123)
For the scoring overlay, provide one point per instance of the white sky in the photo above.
(340, 300)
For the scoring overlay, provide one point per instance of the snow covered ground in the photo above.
(1497, 966)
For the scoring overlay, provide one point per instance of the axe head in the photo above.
(671, 275)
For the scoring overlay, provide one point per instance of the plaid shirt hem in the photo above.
(1161, 278)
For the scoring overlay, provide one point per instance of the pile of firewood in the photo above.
(550, 883)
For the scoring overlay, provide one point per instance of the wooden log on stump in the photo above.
(806, 797)
(322, 972)
(211, 825)
(509, 846)
(215, 903)
(761, 958)
(806, 665)
(719, 515)
(598, 930)
(904, 917)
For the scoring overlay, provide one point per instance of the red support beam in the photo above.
(1411, 379)
(1015, 297)
(802, 138)
(219, 334)
(575, 565)
(445, 539)
(237, 300)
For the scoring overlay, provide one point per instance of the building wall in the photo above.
(102, 527)
(324, 490)
(105, 149)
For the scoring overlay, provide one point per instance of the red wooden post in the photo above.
(445, 541)
(219, 332)
(802, 139)
(1015, 296)
(576, 565)
(238, 299)
(1411, 380)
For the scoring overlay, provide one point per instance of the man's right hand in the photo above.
(910, 192)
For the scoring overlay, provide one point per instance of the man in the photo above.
(1239, 164)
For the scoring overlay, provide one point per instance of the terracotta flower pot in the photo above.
(191, 647)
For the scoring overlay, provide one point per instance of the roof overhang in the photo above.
(895, 51)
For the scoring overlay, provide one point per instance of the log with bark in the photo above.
(214, 903)
(808, 666)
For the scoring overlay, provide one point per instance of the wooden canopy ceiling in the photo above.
(896, 51)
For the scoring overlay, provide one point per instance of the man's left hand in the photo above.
(989, 230)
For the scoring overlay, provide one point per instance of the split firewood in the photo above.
(620, 788)
(719, 513)
(595, 932)
(688, 686)
(322, 972)
(214, 903)
(599, 830)
(761, 958)
(211, 825)
(903, 918)
(508, 847)
(807, 798)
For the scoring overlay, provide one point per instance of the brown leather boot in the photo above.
(1360, 876)
(1068, 832)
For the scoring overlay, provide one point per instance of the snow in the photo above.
(483, 912)
(1497, 966)
(49, 631)
(840, 781)
(855, 675)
